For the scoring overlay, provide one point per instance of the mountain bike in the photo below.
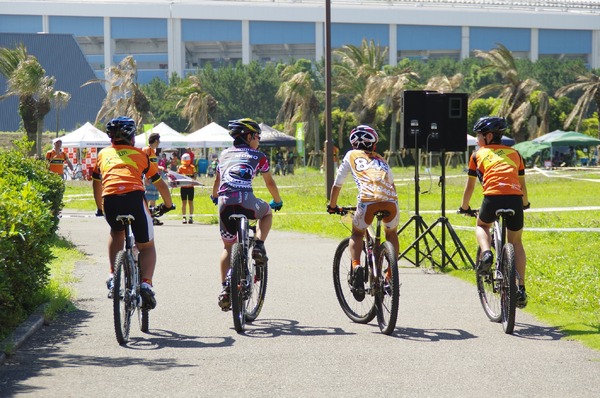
(382, 285)
(247, 280)
(127, 282)
(497, 289)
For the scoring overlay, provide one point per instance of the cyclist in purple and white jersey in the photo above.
(232, 192)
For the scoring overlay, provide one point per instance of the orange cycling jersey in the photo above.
(57, 160)
(498, 167)
(373, 176)
(121, 167)
(187, 170)
(151, 154)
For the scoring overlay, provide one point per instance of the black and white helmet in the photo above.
(490, 124)
(364, 137)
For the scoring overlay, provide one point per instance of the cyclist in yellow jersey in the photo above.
(119, 190)
(501, 171)
(376, 192)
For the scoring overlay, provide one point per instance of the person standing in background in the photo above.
(57, 158)
(151, 190)
(187, 191)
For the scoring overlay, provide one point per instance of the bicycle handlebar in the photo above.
(468, 212)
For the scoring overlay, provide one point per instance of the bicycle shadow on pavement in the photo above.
(431, 335)
(537, 332)
(269, 328)
(161, 338)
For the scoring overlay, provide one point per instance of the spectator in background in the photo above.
(174, 163)
(187, 169)
(162, 161)
(57, 158)
(151, 189)
(191, 153)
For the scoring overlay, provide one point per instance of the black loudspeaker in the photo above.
(441, 121)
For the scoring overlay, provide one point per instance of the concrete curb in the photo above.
(22, 333)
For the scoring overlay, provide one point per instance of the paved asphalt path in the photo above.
(301, 345)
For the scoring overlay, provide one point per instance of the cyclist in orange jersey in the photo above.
(119, 189)
(501, 171)
(56, 158)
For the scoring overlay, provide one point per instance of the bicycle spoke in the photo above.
(388, 286)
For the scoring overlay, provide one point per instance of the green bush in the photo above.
(30, 201)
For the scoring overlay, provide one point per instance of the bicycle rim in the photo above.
(122, 298)
(238, 307)
(358, 311)
(387, 298)
(489, 294)
(258, 289)
(509, 288)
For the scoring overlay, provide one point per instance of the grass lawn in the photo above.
(563, 269)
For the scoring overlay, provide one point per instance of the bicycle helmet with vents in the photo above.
(364, 137)
(121, 129)
(490, 124)
(243, 126)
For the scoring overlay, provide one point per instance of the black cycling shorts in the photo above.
(487, 212)
(133, 203)
(187, 193)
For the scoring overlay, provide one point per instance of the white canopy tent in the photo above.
(169, 138)
(210, 136)
(87, 136)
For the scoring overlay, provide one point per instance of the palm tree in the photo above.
(60, 100)
(124, 96)
(514, 93)
(589, 83)
(299, 91)
(352, 69)
(389, 86)
(198, 106)
(27, 80)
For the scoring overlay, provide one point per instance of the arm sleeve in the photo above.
(343, 171)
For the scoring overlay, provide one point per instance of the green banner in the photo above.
(300, 138)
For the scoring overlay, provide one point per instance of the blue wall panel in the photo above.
(195, 30)
(413, 37)
(486, 39)
(282, 32)
(344, 33)
(20, 24)
(77, 26)
(565, 41)
(138, 28)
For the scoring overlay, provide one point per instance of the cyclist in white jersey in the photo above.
(376, 192)
(232, 192)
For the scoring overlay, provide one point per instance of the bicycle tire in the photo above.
(238, 307)
(258, 289)
(387, 297)
(509, 288)
(122, 305)
(358, 311)
(487, 288)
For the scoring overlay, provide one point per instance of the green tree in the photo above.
(197, 107)
(352, 68)
(514, 93)
(124, 96)
(27, 80)
(243, 91)
(162, 107)
(589, 86)
(299, 91)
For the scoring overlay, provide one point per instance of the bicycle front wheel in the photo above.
(123, 297)
(509, 288)
(489, 291)
(258, 289)
(358, 311)
(387, 297)
(238, 288)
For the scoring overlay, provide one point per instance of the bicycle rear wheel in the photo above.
(238, 290)
(358, 311)
(387, 297)
(509, 288)
(123, 305)
(489, 293)
(258, 288)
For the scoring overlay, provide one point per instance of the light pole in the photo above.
(328, 137)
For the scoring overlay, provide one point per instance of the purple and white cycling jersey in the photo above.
(238, 166)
